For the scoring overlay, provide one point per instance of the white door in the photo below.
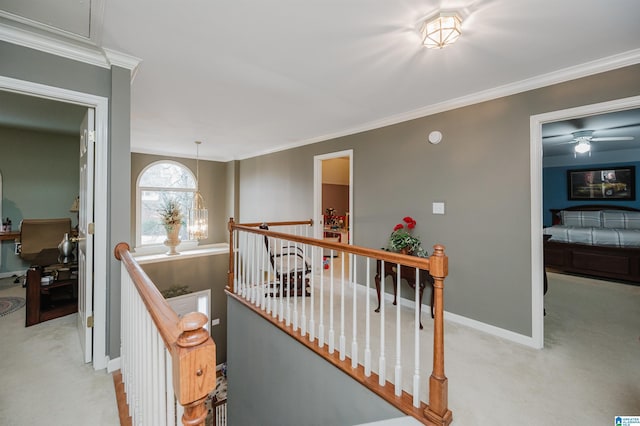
(85, 235)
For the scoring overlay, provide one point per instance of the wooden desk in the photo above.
(45, 302)
(408, 274)
(11, 235)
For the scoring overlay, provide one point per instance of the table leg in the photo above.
(377, 280)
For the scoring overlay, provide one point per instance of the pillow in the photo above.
(620, 219)
(581, 218)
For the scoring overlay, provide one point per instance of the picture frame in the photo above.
(606, 183)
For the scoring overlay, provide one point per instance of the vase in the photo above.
(406, 251)
(173, 238)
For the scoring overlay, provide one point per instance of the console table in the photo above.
(407, 273)
(45, 302)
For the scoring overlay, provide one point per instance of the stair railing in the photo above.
(312, 304)
(168, 364)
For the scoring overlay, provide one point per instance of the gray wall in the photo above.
(40, 179)
(274, 380)
(213, 187)
(481, 170)
(199, 273)
(119, 193)
(32, 65)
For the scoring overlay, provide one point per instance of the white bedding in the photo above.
(594, 235)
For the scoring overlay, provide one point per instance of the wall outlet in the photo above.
(215, 321)
(438, 208)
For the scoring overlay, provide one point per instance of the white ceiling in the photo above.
(249, 77)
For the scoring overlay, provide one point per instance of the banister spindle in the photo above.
(331, 330)
(342, 340)
(398, 366)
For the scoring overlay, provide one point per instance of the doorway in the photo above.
(333, 196)
(100, 105)
(536, 152)
(333, 201)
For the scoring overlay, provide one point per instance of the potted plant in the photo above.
(403, 241)
(171, 216)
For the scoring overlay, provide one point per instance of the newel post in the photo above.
(230, 273)
(194, 368)
(437, 412)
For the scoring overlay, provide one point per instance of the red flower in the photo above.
(411, 225)
(408, 219)
(398, 226)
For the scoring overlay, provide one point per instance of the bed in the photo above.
(601, 241)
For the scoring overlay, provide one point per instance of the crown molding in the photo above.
(85, 53)
(54, 46)
(123, 60)
(624, 59)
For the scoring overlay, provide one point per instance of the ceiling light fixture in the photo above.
(198, 214)
(582, 147)
(441, 30)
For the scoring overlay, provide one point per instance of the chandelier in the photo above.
(198, 214)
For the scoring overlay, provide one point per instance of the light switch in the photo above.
(438, 208)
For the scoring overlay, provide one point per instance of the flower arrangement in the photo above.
(402, 239)
(170, 213)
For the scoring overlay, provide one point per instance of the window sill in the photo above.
(205, 250)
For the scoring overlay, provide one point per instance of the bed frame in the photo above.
(616, 263)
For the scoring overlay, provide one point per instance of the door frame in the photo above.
(101, 252)
(537, 263)
(317, 191)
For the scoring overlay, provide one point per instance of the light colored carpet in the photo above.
(44, 381)
(588, 372)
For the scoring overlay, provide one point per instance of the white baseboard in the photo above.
(113, 365)
(467, 322)
(12, 273)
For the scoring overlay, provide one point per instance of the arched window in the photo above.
(157, 183)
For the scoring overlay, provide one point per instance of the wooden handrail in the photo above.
(436, 411)
(192, 350)
(387, 256)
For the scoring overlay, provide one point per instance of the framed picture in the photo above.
(612, 183)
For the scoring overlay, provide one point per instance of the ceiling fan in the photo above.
(583, 139)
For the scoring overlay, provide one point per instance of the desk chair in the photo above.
(37, 235)
(289, 264)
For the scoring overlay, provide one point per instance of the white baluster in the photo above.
(269, 288)
(367, 323)
(263, 276)
(398, 367)
(354, 343)
(295, 291)
(303, 317)
(321, 325)
(252, 270)
(312, 324)
(342, 340)
(282, 278)
(288, 275)
(382, 373)
(169, 396)
(236, 266)
(416, 343)
(331, 330)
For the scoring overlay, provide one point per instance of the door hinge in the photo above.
(90, 322)
(92, 136)
(91, 228)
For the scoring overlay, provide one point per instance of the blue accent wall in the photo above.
(554, 189)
